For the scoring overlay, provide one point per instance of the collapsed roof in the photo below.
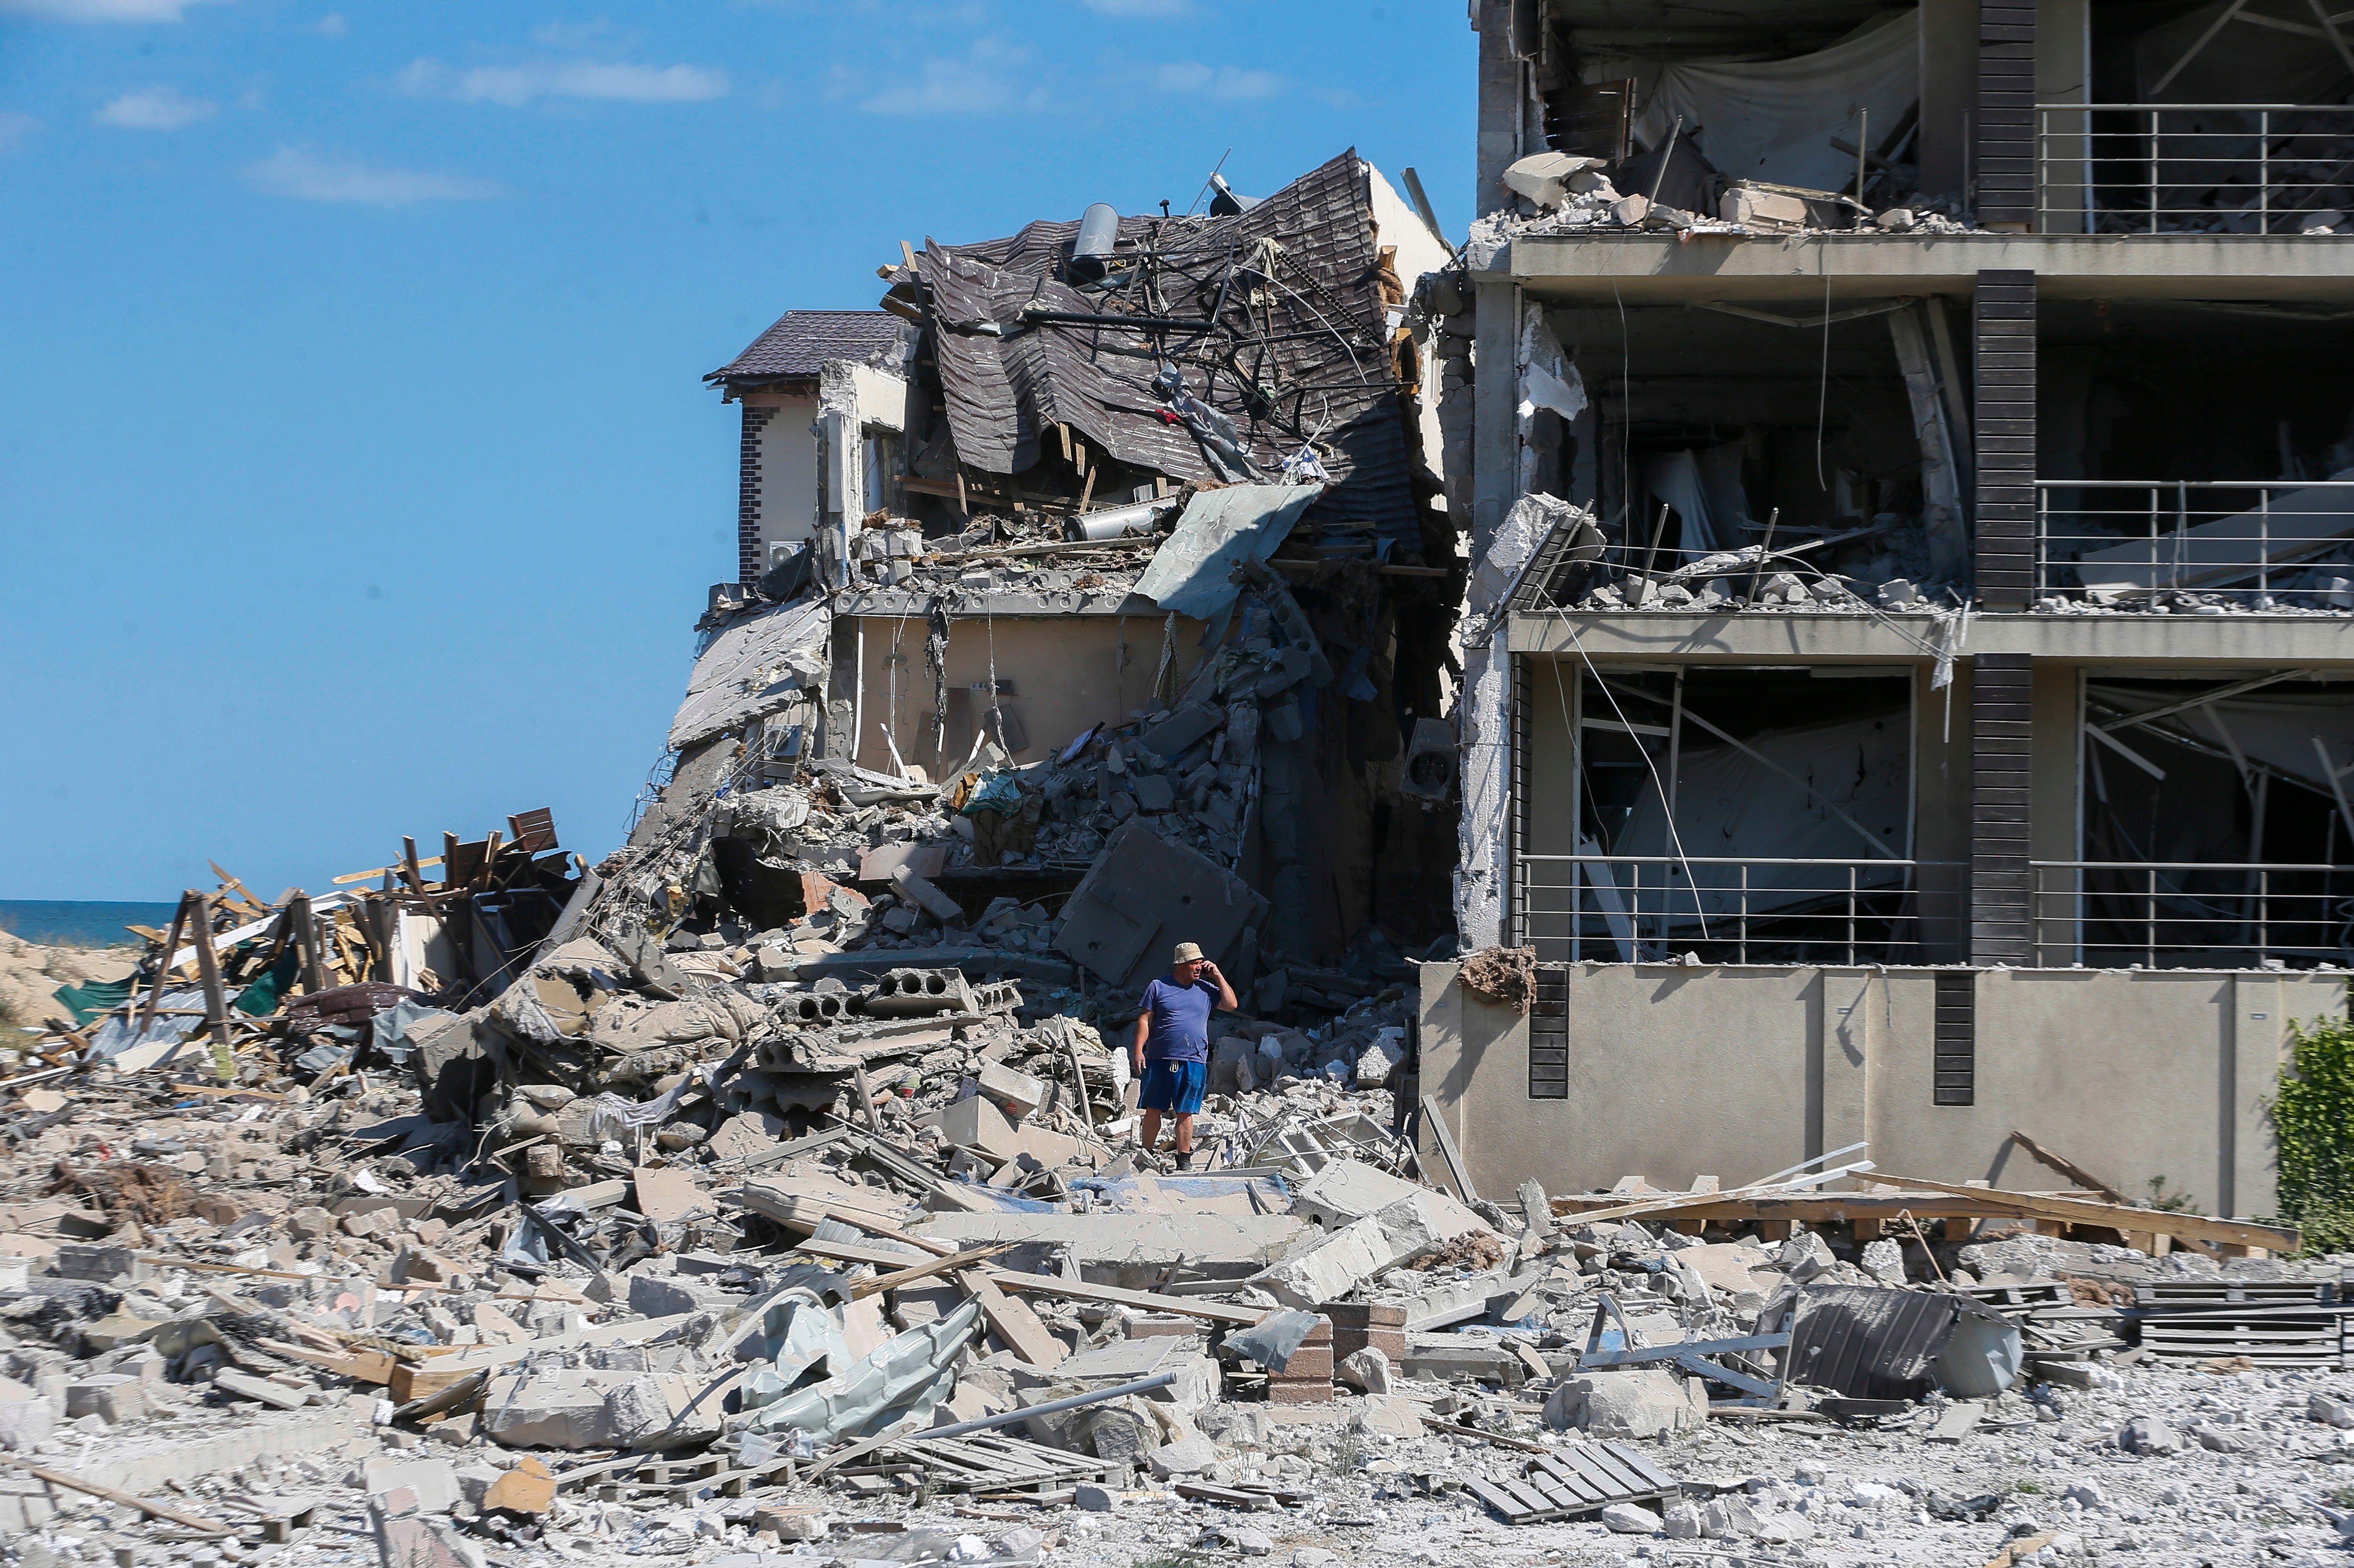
(1210, 350)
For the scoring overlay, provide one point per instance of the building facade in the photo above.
(1910, 515)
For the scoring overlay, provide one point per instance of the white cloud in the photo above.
(979, 84)
(1219, 81)
(1139, 7)
(157, 108)
(14, 126)
(564, 78)
(102, 10)
(307, 177)
(334, 25)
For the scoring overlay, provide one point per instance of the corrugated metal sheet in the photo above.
(1319, 339)
(1873, 1343)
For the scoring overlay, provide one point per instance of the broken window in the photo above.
(2229, 487)
(1716, 426)
(2215, 812)
(1752, 816)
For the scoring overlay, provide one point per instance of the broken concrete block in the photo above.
(434, 1481)
(117, 1397)
(1398, 1232)
(2331, 1410)
(1017, 1094)
(974, 1123)
(1682, 1521)
(1734, 1268)
(25, 1423)
(668, 1195)
(561, 1407)
(920, 892)
(1544, 177)
(1154, 793)
(1884, 1260)
(1391, 1416)
(741, 1137)
(666, 1296)
(1093, 1498)
(2149, 1434)
(1762, 210)
(1631, 1518)
(101, 1264)
(1186, 1457)
(1380, 1059)
(406, 1538)
(1366, 1370)
(244, 1385)
(1646, 1401)
(1726, 1517)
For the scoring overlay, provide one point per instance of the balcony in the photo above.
(2192, 168)
(2193, 915)
(1604, 909)
(2252, 545)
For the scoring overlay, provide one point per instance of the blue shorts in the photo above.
(1175, 1085)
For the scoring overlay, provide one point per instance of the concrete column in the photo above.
(2003, 425)
(1949, 90)
(2003, 165)
(2255, 1038)
(1499, 100)
(2001, 752)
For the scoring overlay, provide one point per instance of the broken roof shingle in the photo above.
(1315, 341)
(803, 341)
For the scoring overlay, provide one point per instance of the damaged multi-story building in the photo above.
(1134, 530)
(1910, 679)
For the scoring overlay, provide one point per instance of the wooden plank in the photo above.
(2069, 1169)
(1151, 1301)
(1013, 1320)
(2084, 1212)
(1513, 1509)
(882, 1282)
(124, 1500)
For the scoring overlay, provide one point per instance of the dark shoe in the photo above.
(1185, 1159)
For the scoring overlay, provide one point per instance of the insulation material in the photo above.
(1799, 797)
(1774, 119)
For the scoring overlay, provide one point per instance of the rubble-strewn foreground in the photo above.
(651, 1254)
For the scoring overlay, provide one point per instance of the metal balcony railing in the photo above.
(2175, 168)
(2130, 539)
(1627, 908)
(2192, 915)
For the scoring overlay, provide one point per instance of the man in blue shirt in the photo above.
(1172, 1044)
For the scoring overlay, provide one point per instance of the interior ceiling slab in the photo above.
(1703, 30)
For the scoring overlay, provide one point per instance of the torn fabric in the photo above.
(1774, 119)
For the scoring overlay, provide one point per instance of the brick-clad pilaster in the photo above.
(2000, 888)
(2005, 160)
(749, 557)
(2004, 423)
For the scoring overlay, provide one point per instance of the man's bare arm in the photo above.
(1226, 1003)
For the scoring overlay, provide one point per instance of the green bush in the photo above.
(2313, 1130)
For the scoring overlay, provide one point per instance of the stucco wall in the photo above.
(788, 471)
(1068, 673)
(1739, 1072)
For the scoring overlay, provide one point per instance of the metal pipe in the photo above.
(1052, 1407)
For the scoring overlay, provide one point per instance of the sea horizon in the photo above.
(78, 923)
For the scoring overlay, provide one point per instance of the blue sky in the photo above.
(355, 474)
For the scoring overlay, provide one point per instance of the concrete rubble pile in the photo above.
(653, 1254)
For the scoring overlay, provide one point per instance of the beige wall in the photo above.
(1737, 1073)
(1067, 671)
(788, 469)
